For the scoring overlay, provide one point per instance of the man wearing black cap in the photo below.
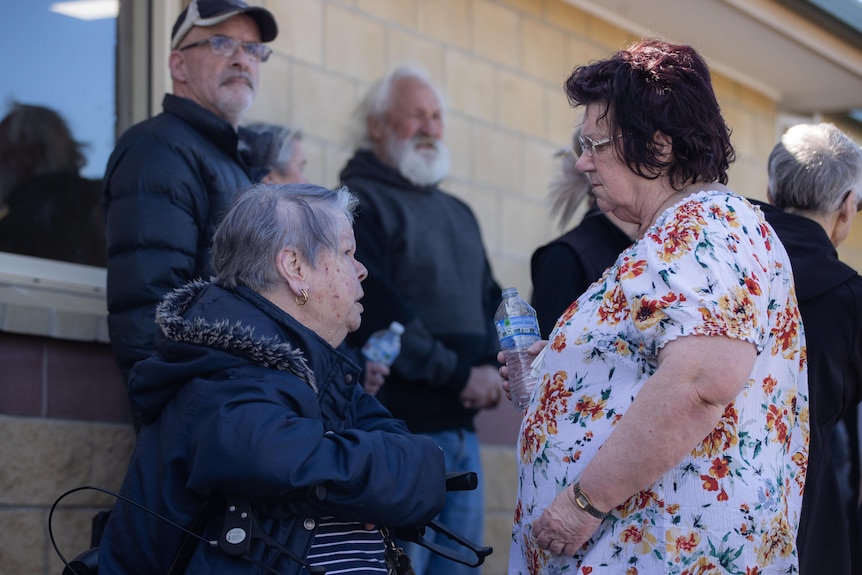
(171, 177)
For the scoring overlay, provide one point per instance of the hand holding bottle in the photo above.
(380, 351)
(517, 329)
(534, 350)
(375, 376)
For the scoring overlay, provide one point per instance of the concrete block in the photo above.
(544, 52)
(406, 48)
(300, 29)
(354, 44)
(522, 104)
(402, 12)
(498, 159)
(496, 32)
(447, 21)
(471, 85)
(323, 101)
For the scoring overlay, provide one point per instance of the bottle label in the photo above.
(382, 349)
(517, 330)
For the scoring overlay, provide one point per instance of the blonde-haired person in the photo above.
(564, 267)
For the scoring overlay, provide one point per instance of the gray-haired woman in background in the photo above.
(284, 157)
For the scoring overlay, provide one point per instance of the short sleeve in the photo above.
(700, 271)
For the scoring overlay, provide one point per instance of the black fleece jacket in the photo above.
(427, 269)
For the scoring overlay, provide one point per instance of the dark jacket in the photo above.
(55, 216)
(565, 267)
(427, 269)
(241, 399)
(168, 182)
(830, 300)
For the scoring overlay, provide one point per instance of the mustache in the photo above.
(424, 141)
(246, 77)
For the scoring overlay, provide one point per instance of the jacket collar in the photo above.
(233, 337)
(814, 259)
(221, 133)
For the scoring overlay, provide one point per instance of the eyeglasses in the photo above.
(589, 146)
(858, 203)
(227, 47)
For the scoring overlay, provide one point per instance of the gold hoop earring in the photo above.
(301, 300)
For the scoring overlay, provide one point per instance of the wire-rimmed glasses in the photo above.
(589, 145)
(226, 47)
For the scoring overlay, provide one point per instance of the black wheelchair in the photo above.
(239, 515)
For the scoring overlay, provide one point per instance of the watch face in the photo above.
(585, 504)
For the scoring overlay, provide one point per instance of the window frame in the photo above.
(64, 300)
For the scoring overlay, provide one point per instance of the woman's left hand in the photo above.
(564, 527)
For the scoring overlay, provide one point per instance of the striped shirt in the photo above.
(347, 547)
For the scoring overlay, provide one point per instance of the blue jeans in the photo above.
(464, 510)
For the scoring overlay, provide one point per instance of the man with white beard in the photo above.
(428, 270)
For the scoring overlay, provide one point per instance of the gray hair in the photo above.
(570, 187)
(267, 218)
(280, 148)
(379, 97)
(813, 168)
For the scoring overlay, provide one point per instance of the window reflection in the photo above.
(57, 131)
(48, 210)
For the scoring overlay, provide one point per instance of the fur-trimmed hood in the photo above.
(200, 332)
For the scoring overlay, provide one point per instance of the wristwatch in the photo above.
(584, 503)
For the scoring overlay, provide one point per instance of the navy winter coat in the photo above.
(241, 399)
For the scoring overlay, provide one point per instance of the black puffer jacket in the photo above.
(242, 400)
(168, 183)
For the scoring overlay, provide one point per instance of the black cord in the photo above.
(122, 498)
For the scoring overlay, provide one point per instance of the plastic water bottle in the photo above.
(517, 328)
(384, 346)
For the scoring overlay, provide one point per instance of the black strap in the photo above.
(239, 529)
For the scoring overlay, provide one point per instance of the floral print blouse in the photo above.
(710, 266)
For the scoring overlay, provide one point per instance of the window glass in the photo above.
(57, 130)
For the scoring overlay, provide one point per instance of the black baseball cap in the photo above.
(211, 12)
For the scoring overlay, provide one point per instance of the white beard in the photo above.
(421, 166)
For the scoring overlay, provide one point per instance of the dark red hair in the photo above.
(655, 86)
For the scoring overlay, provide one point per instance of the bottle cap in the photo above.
(396, 327)
(510, 291)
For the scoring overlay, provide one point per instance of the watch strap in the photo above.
(584, 503)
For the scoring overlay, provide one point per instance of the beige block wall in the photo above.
(501, 65)
(41, 459)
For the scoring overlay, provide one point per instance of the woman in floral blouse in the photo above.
(669, 429)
